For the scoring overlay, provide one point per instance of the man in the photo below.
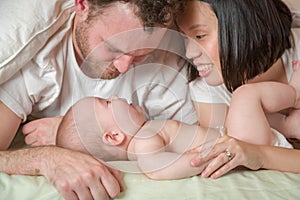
(82, 53)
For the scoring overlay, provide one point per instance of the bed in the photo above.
(239, 184)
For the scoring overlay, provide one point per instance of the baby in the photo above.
(115, 130)
(252, 106)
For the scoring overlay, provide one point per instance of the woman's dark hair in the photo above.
(253, 35)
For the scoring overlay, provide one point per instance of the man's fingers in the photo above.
(111, 184)
(117, 174)
(98, 191)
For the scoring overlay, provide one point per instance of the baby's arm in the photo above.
(246, 117)
(169, 165)
(166, 158)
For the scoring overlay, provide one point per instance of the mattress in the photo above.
(239, 184)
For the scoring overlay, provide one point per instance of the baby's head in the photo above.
(100, 127)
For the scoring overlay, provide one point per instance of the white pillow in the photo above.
(294, 6)
(26, 27)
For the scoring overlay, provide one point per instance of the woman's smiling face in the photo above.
(200, 25)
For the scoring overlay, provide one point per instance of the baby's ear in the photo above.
(113, 138)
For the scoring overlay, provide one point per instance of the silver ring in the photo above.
(229, 155)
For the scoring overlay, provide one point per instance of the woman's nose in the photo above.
(193, 49)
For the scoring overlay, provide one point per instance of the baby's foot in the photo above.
(295, 81)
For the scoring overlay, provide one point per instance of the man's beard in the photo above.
(98, 68)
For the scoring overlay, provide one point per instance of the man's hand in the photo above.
(80, 176)
(41, 131)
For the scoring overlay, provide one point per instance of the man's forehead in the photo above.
(129, 51)
(136, 40)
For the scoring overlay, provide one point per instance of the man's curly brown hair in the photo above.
(150, 12)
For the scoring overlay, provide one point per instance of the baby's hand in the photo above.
(42, 131)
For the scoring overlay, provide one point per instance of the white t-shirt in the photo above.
(52, 81)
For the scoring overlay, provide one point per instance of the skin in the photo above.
(119, 115)
(261, 99)
(75, 175)
(202, 41)
(200, 26)
(96, 33)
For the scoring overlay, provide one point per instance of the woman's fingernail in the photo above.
(204, 174)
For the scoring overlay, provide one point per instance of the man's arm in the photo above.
(75, 175)
(9, 125)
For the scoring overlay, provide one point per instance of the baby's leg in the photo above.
(247, 113)
(246, 118)
(295, 82)
(292, 120)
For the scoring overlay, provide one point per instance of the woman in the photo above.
(233, 42)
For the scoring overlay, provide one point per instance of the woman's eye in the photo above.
(200, 36)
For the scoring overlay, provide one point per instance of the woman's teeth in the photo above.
(204, 67)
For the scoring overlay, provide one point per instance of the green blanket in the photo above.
(240, 184)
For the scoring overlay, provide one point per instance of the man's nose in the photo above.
(123, 63)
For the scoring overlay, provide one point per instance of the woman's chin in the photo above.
(213, 81)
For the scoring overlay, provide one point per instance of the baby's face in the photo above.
(116, 114)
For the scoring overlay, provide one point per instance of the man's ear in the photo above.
(113, 138)
(82, 8)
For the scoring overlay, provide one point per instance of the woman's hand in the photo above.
(41, 131)
(227, 154)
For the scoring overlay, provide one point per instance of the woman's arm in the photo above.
(248, 155)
